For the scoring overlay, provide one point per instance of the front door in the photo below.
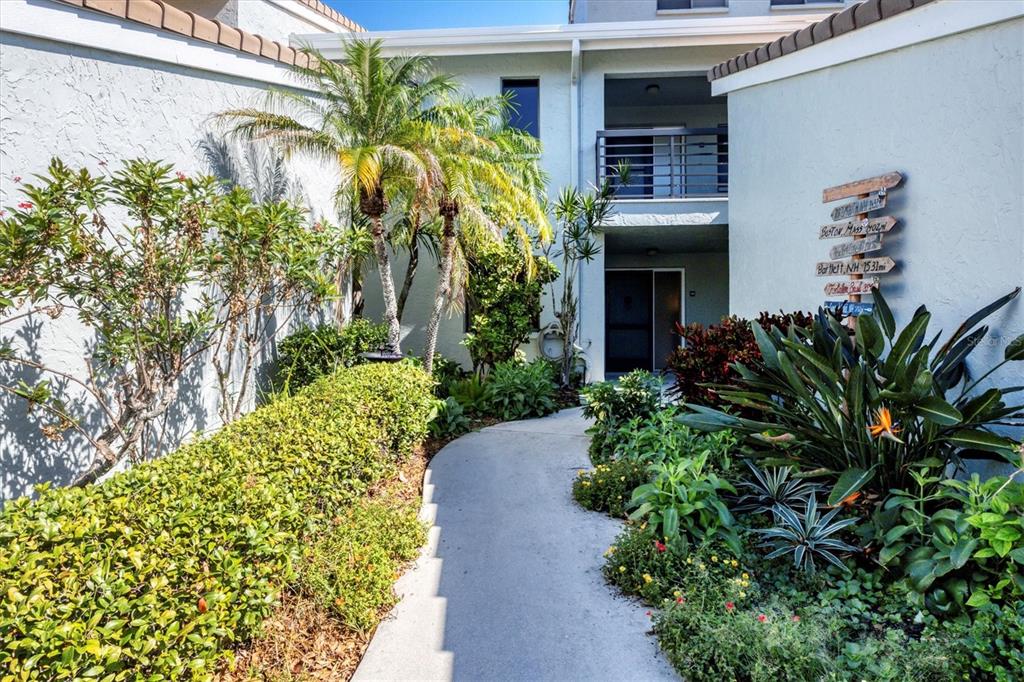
(641, 308)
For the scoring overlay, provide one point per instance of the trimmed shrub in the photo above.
(311, 352)
(611, 404)
(156, 572)
(517, 391)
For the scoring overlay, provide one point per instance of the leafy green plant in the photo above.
(959, 542)
(311, 352)
(866, 409)
(503, 290)
(469, 393)
(611, 404)
(708, 641)
(516, 391)
(350, 567)
(771, 487)
(450, 420)
(682, 503)
(156, 571)
(807, 535)
(608, 487)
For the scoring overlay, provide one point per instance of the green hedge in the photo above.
(156, 573)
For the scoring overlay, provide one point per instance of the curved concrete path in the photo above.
(509, 586)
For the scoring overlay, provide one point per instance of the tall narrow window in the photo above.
(525, 96)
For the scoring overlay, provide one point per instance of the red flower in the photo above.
(181, 176)
(729, 606)
(660, 546)
(680, 600)
(796, 619)
(2, 213)
(202, 605)
(17, 178)
(648, 614)
(25, 205)
(761, 618)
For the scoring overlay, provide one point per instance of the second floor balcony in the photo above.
(664, 162)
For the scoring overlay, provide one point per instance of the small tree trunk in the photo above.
(444, 283)
(410, 273)
(373, 205)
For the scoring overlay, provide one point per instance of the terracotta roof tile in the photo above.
(159, 14)
(204, 28)
(119, 8)
(175, 19)
(147, 12)
(849, 19)
(229, 36)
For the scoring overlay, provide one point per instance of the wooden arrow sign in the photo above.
(850, 307)
(852, 189)
(871, 203)
(851, 287)
(856, 228)
(865, 266)
(847, 249)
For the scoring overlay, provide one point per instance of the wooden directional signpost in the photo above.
(852, 221)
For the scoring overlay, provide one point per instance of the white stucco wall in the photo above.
(948, 114)
(281, 19)
(647, 10)
(89, 106)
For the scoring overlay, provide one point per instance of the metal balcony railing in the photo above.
(665, 163)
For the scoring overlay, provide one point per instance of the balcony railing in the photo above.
(665, 163)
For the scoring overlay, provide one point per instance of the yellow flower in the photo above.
(622, 478)
(689, 560)
(735, 563)
(677, 594)
(622, 569)
(647, 578)
(580, 473)
(746, 576)
(610, 551)
(714, 557)
(742, 595)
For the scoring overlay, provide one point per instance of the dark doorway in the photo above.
(641, 309)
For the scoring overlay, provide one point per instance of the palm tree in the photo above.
(490, 179)
(367, 118)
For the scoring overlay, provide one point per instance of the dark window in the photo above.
(691, 4)
(525, 96)
(804, 2)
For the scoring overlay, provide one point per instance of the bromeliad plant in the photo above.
(807, 536)
(864, 409)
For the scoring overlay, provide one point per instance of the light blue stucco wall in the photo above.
(949, 115)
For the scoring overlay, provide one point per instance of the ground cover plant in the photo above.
(823, 536)
(163, 569)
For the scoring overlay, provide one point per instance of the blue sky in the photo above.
(381, 15)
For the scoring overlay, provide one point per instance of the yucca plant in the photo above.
(807, 535)
(862, 409)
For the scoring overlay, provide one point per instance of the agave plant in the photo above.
(807, 536)
(773, 487)
(864, 409)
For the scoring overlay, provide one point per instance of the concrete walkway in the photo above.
(509, 586)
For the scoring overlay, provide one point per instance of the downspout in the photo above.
(575, 151)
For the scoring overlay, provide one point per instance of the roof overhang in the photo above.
(560, 37)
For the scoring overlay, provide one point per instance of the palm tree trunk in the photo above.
(387, 285)
(444, 284)
(410, 273)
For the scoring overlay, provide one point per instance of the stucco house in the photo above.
(733, 116)
(729, 155)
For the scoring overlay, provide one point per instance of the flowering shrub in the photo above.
(708, 353)
(608, 487)
(154, 573)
